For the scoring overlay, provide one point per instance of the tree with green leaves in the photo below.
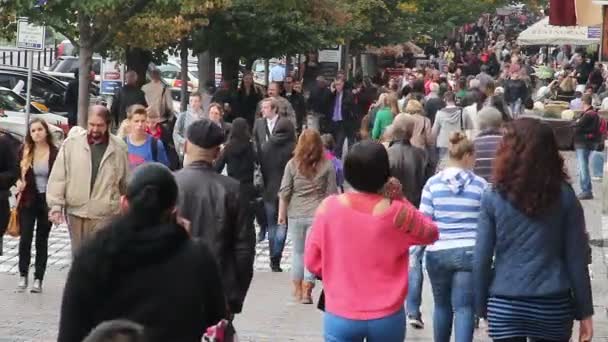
(98, 26)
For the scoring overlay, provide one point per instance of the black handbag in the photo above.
(321, 301)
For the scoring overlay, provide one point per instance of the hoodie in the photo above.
(448, 121)
(452, 199)
(141, 273)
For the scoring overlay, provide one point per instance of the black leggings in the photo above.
(36, 215)
(524, 339)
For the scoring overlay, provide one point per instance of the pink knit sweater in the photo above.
(362, 258)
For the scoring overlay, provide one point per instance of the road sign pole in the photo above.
(30, 62)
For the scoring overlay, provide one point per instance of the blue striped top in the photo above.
(452, 199)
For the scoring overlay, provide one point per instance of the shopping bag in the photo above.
(13, 229)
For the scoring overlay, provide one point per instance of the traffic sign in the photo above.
(30, 36)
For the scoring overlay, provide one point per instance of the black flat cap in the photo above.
(205, 134)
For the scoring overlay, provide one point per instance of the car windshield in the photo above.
(10, 101)
(64, 65)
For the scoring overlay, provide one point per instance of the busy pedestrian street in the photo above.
(303, 171)
(270, 315)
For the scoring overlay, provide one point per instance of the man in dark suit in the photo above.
(297, 100)
(274, 138)
(343, 123)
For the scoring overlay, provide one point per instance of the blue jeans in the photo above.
(387, 329)
(276, 232)
(450, 273)
(597, 164)
(415, 280)
(582, 158)
(299, 228)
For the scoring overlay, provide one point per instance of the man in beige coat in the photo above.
(88, 177)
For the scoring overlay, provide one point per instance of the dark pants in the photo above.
(277, 233)
(36, 215)
(343, 130)
(248, 200)
(5, 214)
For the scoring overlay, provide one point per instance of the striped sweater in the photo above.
(452, 199)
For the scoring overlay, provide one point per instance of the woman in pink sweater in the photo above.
(359, 246)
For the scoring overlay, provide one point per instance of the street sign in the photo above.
(30, 36)
(112, 76)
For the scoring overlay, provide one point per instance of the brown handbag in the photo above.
(14, 229)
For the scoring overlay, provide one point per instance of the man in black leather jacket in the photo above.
(9, 171)
(210, 202)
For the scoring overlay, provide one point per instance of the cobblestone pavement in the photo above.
(269, 314)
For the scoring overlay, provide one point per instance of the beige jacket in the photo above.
(422, 137)
(70, 179)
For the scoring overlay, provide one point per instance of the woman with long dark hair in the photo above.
(530, 262)
(239, 158)
(37, 157)
(144, 267)
(309, 177)
(247, 99)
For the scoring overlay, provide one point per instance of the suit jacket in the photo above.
(274, 149)
(348, 103)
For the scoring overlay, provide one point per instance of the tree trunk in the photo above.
(347, 60)
(288, 65)
(204, 74)
(249, 63)
(230, 69)
(184, 74)
(267, 72)
(138, 60)
(85, 62)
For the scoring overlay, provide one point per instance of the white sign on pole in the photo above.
(29, 36)
(112, 76)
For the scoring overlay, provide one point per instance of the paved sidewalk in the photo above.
(269, 315)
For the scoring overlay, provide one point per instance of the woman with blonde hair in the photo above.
(308, 179)
(422, 136)
(37, 157)
(452, 199)
(385, 115)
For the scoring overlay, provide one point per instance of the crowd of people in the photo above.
(447, 167)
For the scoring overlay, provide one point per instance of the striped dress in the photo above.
(547, 318)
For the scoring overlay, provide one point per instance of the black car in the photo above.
(45, 89)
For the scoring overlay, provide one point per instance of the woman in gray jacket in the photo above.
(309, 177)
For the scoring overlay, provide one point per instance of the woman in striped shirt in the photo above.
(452, 199)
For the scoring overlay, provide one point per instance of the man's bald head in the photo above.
(101, 111)
(98, 122)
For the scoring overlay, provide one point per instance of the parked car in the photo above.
(13, 105)
(171, 73)
(17, 128)
(63, 68)
(46, 89)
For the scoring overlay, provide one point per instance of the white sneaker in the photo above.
(22, 283)
(37, 287)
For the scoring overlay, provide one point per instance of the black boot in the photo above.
(275, 265)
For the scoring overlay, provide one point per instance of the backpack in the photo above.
(153, 148)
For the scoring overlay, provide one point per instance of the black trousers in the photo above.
(343, 130)
(36, 215)
(5, 215)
